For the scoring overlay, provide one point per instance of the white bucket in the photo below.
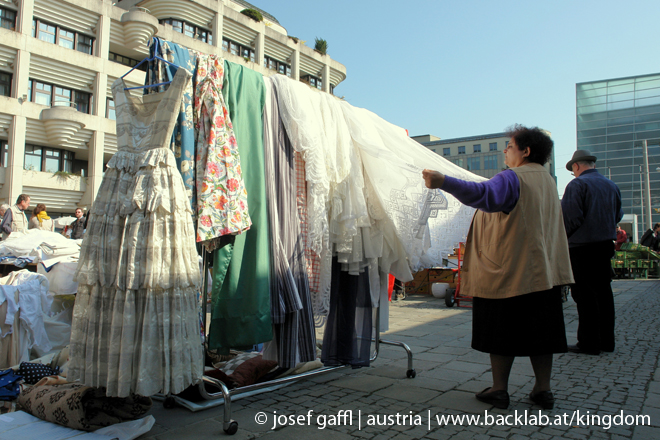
(439, 290)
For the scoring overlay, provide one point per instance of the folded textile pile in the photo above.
(81, 407)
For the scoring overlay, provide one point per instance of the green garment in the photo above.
(240, 314)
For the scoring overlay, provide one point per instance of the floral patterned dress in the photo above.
(222, 206)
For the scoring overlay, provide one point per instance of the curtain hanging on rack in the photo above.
(241, 274)
(293, 321)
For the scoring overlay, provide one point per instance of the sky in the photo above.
(466, 68)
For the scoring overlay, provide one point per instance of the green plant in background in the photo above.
(321, 46)
(253, 14)
(63, 174)
(295, 39)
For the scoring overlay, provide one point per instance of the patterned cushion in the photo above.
(33, 372)
(230, 366)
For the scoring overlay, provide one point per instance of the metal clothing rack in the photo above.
(229, 425)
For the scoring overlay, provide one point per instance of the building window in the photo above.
(51, 33)
(5, 84)
(506, 144)
(189, 29)
(492, 146)
(8, 19)
(461, 150)
(279, 66)
(490, 162)
(4, 154)
(459, 162)
(50, 160)
(476, 148)
(126, 61)
(82, 101)
(48, 94)
(446, 151)
(42, 93)
(312, 81)
(85, 44)
(237, 49)
(110, 109)
(474, 163)
(33, 158)
(67, 39)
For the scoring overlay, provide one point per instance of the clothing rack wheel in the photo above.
(230, 426)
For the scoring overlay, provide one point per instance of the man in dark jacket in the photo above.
(78, 226)
(651, 238)
(592, 208)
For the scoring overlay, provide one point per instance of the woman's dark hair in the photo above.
(40, 207)
(539, 143)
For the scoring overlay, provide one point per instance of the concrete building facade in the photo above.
(483, 155)
(59, 58)
(614, 117)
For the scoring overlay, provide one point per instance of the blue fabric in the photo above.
(499, 194)
(183, 136)
(9, 384)
(592, 208)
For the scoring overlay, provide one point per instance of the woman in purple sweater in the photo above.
(516, 259)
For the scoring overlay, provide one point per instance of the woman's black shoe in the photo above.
(499, 399)
(544, 399)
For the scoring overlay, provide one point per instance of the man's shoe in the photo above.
(499, 399)
(544, 399)
(579, 350)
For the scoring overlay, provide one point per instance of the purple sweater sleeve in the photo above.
(499, 194)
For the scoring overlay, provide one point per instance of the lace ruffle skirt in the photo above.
(136, 324)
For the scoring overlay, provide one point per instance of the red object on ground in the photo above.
(390, 286)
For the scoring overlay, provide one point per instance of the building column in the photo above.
(103, 34)
(13, 185)
(295, 64)
(100, 94)
(94, 168)
(217, 28)
(259, 46)
(21, 75)
(24, 20)
(325, 75)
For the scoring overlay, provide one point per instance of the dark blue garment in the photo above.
(9, 384)
(499, 194)
(592, 208)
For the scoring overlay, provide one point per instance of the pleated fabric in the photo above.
(240, 314)
(135, 322)
(291, 309)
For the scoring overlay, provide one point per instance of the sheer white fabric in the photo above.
(366, 197)
(135, 322)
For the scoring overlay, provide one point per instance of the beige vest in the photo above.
(522, 252)
(18, 220)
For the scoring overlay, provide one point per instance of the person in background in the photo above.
(513, 272)
(621, 237)
(592, 208)
(651, 238)
(14, 219)
(41, 220)
(78, 226)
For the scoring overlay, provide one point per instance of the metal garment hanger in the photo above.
(155, 57)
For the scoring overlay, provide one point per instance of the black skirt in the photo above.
(526, 325)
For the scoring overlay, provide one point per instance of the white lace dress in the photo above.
(135, 321)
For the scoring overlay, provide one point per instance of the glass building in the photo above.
(614, 116)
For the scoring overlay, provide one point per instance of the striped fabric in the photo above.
(293, 322)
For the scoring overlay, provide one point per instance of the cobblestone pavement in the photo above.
(615, 386)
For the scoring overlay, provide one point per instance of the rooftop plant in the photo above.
(253, 14)
(321, 46)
